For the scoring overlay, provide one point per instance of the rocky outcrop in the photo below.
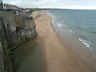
(14, 30)
(6, 64)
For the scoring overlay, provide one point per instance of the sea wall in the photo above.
(14, 30)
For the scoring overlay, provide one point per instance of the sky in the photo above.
(71, 4)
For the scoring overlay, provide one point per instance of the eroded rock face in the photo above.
(14, 29)
(29, 29)
(18, 28)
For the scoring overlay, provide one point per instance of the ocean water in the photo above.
(81, 23)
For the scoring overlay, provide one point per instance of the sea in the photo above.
(81, 23)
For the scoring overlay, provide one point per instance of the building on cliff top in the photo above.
(9, 6)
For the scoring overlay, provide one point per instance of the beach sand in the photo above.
(56, 57)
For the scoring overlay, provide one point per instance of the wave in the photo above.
(70, 30)
(59, 25)
(85, 42)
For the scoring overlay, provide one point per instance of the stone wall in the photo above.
(14, 30)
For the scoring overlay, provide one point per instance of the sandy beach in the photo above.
(56, 57)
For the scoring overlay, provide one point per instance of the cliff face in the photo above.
(14, 30)
(18, 28)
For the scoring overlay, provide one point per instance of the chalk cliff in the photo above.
(14, 30)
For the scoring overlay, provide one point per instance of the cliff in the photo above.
(14, 30)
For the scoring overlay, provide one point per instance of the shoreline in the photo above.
(85, 58)
(54, 54)
(80, 52)
(84, 41)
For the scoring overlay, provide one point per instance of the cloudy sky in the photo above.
(88, 4)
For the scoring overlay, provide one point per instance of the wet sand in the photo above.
(56, 57)
(28, 57)
(77, 49)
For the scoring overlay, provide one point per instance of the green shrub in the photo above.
(5, 43)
